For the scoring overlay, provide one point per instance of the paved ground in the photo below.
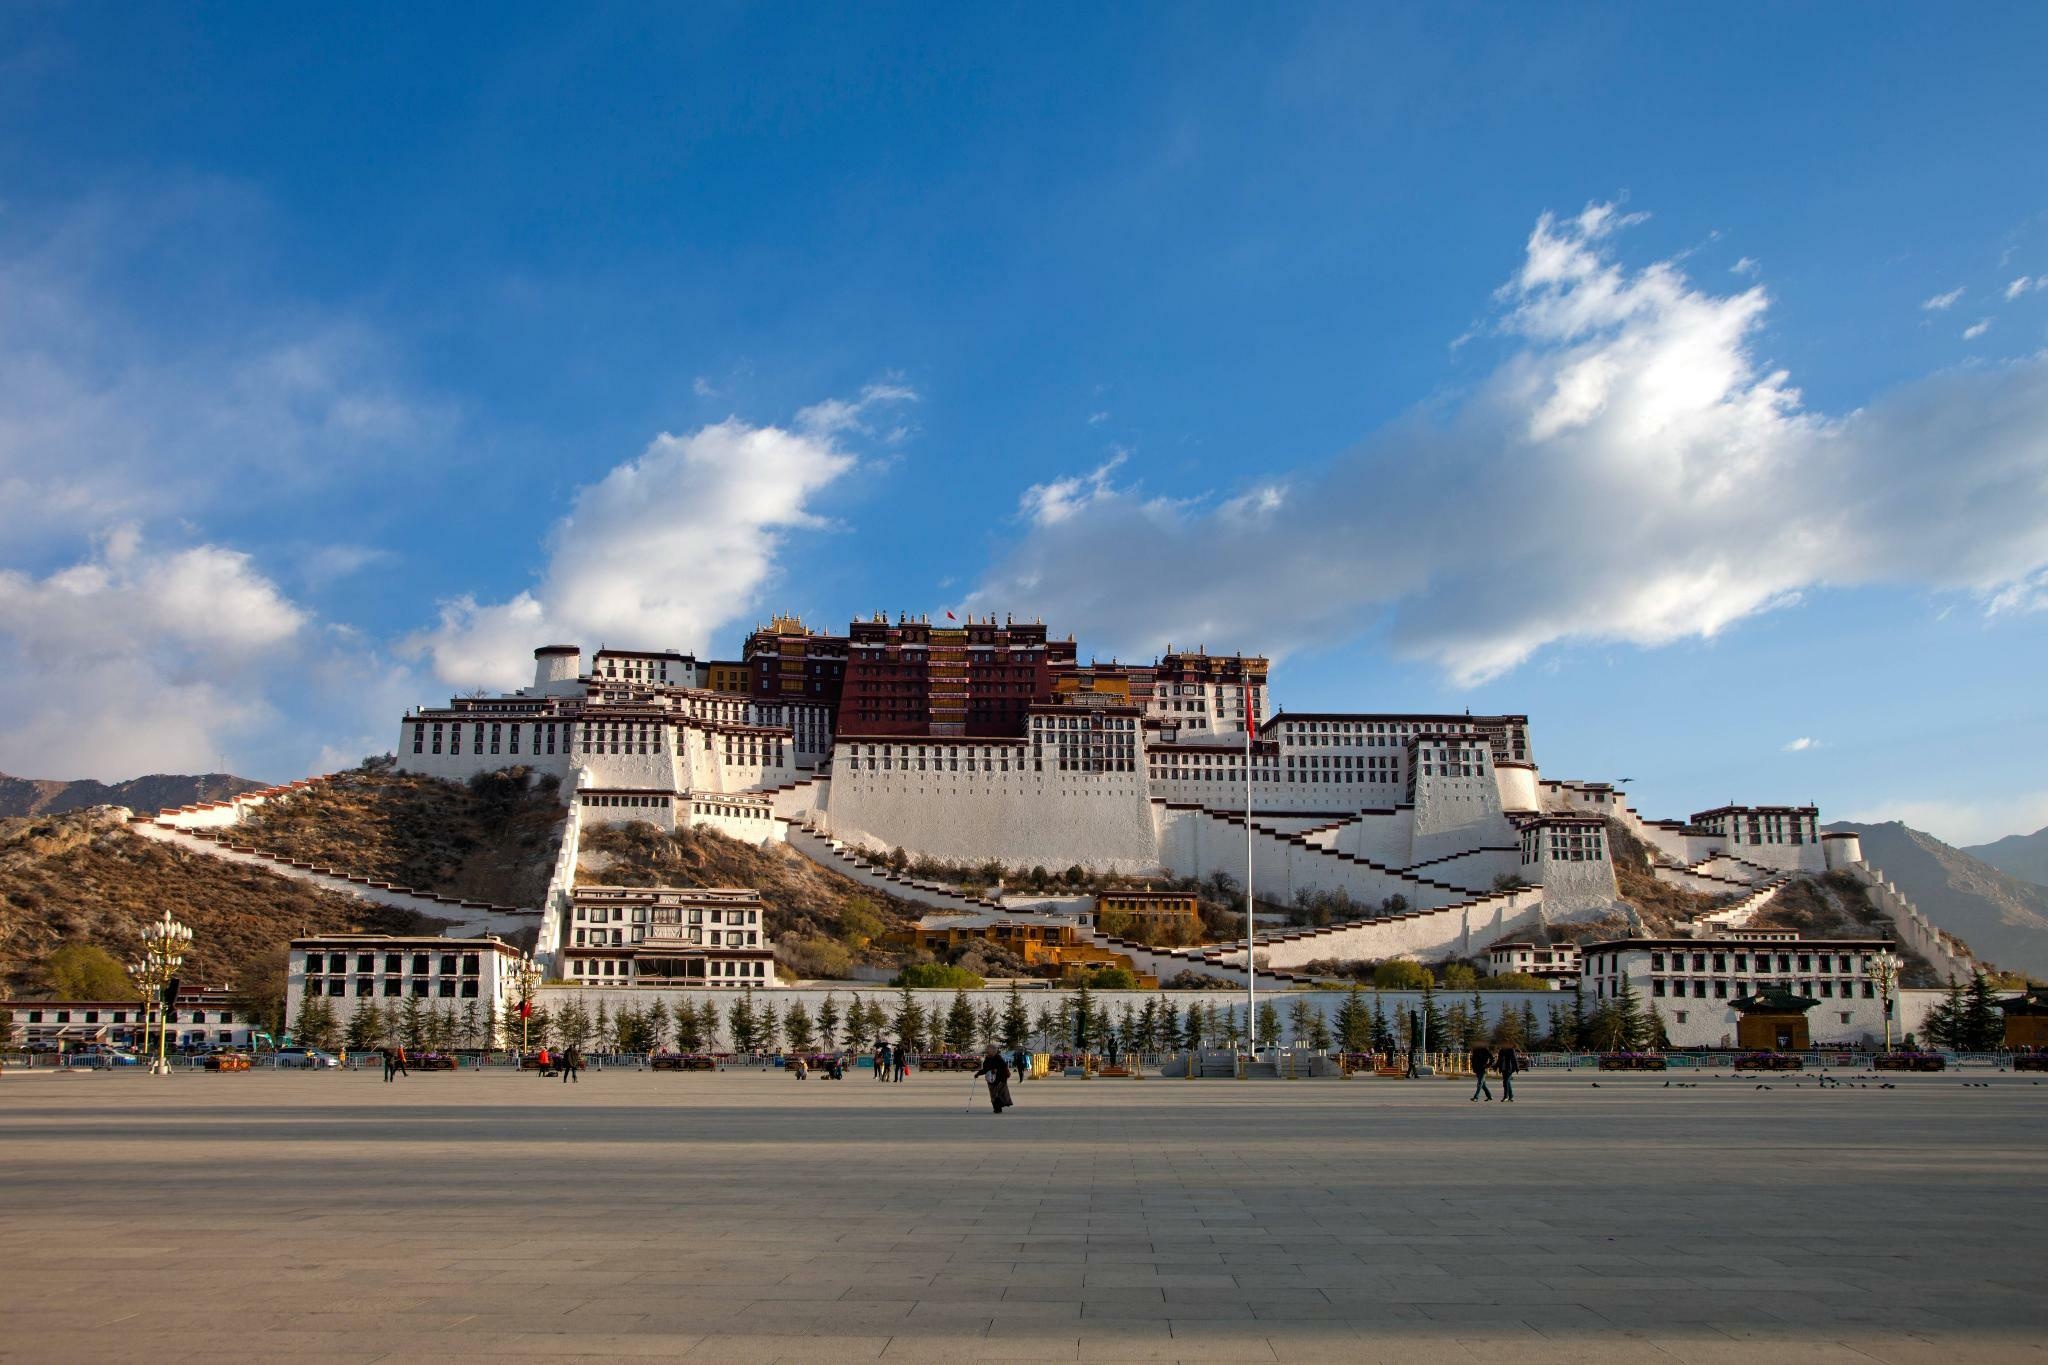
(755, 1217)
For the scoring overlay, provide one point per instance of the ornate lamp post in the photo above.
(1884, 970)
(528, 976)
(163, 948)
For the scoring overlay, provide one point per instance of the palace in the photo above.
(990, 741)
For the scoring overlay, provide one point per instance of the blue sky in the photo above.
(344, 355)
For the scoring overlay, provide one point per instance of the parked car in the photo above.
(310, 1058)
(103, 1058)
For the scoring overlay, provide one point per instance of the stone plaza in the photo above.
(751, 1216)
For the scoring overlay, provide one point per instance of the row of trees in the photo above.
(1968, 1018)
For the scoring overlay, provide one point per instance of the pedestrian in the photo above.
(902, 1059)
(542, 1062)
(1022, 1065)
(1414, 1045)
(572, 1062)
(1482, 1058)
(1507, 1063)
(400, 1053)
(998, 1073)
(882, 1059)
(390, 1067)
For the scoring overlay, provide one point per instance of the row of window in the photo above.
(717, 969)
(122, 1016)
(1844, 963)
(418, 987)
(1724, 989)
(419, 964)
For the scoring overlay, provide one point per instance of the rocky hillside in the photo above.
(25, 796)
(2017, 855)
(821, 922)
(81, 877)
(2003, 919)
(492, 839)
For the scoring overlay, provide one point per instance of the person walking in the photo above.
(1508, 1063)
(882, 1059)
(542, 1062)
(399, 1053)
(1022, 1066)
(998, 1073)
(1482, 1058)
(902, 1059)
(390, 1066)
(572, 1062)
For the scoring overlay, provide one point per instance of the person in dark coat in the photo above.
(1482, 1058)
(1507, 1063)
(1021, 1064)
(902, 1060)
(882, 1060)
(998, 1073)
(572, 1062)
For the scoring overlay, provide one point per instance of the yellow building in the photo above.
(1064, 947)
(727, 675)
(1149, 909)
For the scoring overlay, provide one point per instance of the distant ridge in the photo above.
(2002, 918)
(2019, 855)
(21, 796)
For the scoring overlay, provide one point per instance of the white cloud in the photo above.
(662, 550)
(1943, 302)
(1630, 472)
(1976, 329)
(1963, 823)
(134, 660)
(1049, 504)
(1801, 745)
(703, 387)
(1748, 265)
(2025, 284)
(1096, 419)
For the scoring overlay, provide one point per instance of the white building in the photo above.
(200, 1017)
(388, 970)
(1691, 981)
(1558, 962)
(667, 936)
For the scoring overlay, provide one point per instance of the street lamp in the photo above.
(1884, 970)
(163, 948)
(528, 975)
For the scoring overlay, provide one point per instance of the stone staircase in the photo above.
(843, 859)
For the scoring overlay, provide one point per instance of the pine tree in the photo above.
(1983, 1022)
(1509, 1032)
(1148, 1026)
(1193, 1028)
(1045, 1025)
(1081, 1018)
(365, 1027)
(309, 1024)
(740, 1024)
(1477, 1010)
(1297, 1020)
(1944, 1023)
(828, 1021)
(601, 1027)
(1318, 1031)
(857, 1031)
(1269, 1025)
(796, 1026)
(656, 1019)
(471, 1029)
(908, 1025)
(412, 1024)
(1458, 1031)
(1434, 1023)
(768, 1026)
(1383, 1039)
(689, 1028)
(959, 1030)
(1016, 1021)
(1127, 1026)
(1528, 1025)
(1631, 1028)
(987, 1024)
(572, 1021)
(1170, 1036)
(878, 1019)
(1655, 1036)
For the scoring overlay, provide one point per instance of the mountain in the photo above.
(24, 796)
(2002, 918)
(2020, 855)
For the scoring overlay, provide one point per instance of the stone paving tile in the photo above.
(723, 1218)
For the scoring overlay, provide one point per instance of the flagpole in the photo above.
(1251, 965)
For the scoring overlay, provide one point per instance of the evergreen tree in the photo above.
(1983, 1023)
(602, 1029)
(1655, 1036)
(858, 1032)
(572, 1022)
(828, 1021)
(1435, 1025)
(689, 1028)
(768, 1025)
(470, 1032)
(315, 1021)
(1233, 1028)
(412, 1024)
(796, 1026)
(1081, 1018)
(878, 1019)
(1509, 1031)
(633, 1031)
(1630, 1027)
(909, 1022)
(1318, 1031)
(1383, 1039)
(1148, 1026)
(1479, 1029)
(959, 1029)
(1944, 1023)
(1193, 1028)
(365, 1027)
(1458, 1031)
(741, 1025)
(1528, 1025)
(1297, 1020)
(1576, 1025)
(1016, 1021)
(1354, 1022)
(656, 1017)
(441, 1029)
(1170, 1035)
(987, 1024)
(1127, 1026)
(1269, 1025)
(1045, 1025)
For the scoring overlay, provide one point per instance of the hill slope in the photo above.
(492, 839)
(81, 877)
(26, 796)
(2017, 855)
(2003, 919)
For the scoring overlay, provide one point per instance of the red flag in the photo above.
(526, 1009)
(951, 617)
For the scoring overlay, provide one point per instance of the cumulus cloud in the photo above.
(2025, 284)
(1943, 302)
(1976, 329)
(137, 660)
(1748, 265)
(662, 550)
(1630, 471)
(1801, 745)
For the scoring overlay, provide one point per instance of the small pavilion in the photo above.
(1773, 1020)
